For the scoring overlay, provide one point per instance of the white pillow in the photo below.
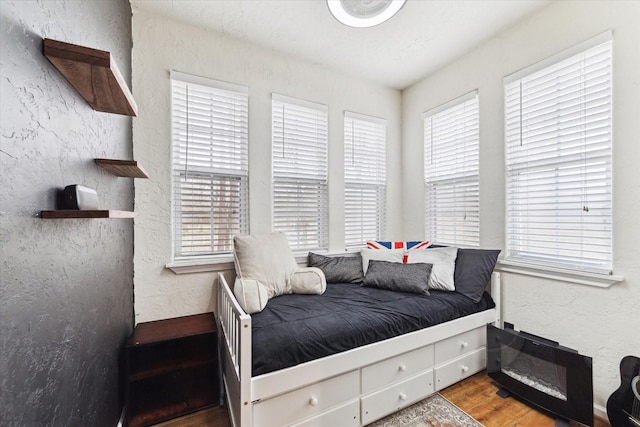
(308, 280)
(250, 294)
(444, 266)
(266, 258)
(389, 255)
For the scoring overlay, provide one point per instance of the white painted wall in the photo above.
(602, 323)
(160, 44)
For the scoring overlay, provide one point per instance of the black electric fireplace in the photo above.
(542, 372)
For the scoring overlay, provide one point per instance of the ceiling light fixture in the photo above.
(364, 13)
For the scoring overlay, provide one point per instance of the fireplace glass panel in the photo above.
(540, 373)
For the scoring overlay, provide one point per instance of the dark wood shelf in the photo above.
(160, 399)
(159, 331)
(169, 369)
(94, 74)
(124, 168)
(170, 355)
(91, 214)
(172, 369)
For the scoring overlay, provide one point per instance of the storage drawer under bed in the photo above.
(460, 344)
(347, 415)
(460, 368)
(397, 396)
(302, 403)
(397, 368)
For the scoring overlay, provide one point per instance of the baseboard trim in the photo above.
(121, 420)
(600, 412)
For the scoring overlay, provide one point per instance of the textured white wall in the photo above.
(160, 44)
(602, 323)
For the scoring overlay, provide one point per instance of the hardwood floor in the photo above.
(212, 417)
(476, 396)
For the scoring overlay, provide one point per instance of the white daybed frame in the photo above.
(352, 388)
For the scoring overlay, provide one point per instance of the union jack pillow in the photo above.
(410, 245)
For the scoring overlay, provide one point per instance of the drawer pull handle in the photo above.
(313, 401)
(465, 368)
(402, 368)
(464, 344)
(403, 396)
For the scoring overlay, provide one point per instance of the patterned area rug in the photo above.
(434, 411)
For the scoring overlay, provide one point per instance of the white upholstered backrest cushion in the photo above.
(266, 258)
(308, 280)
(250, 294)
(444, 265)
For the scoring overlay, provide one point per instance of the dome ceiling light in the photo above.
(364, 13)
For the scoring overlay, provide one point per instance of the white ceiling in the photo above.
(424, 36)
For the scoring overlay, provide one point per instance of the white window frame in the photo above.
(567, 125)
(300, 172)
(451, 172)
(365, 140)
(210, 161)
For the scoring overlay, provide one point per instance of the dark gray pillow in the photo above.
(394, 276)
(473, 271)
(340, 269)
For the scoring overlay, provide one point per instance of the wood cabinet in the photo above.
(171, 369)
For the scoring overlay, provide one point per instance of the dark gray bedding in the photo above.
(293, 329)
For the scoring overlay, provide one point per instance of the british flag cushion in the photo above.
(410, 245)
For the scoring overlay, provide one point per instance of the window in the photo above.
(558, 136)
(210, 167)
(365, 140)
(299, 146)
(451, 151)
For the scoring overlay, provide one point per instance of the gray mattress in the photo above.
(293, 329)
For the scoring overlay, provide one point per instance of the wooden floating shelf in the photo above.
(68, 214)
(126, 168)
(94, 74)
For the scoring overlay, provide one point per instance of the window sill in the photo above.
(204, 265)
(302, 257)
(225, 262)
(579, 277)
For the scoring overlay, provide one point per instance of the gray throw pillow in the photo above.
(340, 269)
(473, 271)
(394, 276)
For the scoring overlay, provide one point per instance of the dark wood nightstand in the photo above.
(172, 369)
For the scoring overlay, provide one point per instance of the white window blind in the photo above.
(299, 147)
(451, 159)
(558, 132)
(210, 166)
(365, 140)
